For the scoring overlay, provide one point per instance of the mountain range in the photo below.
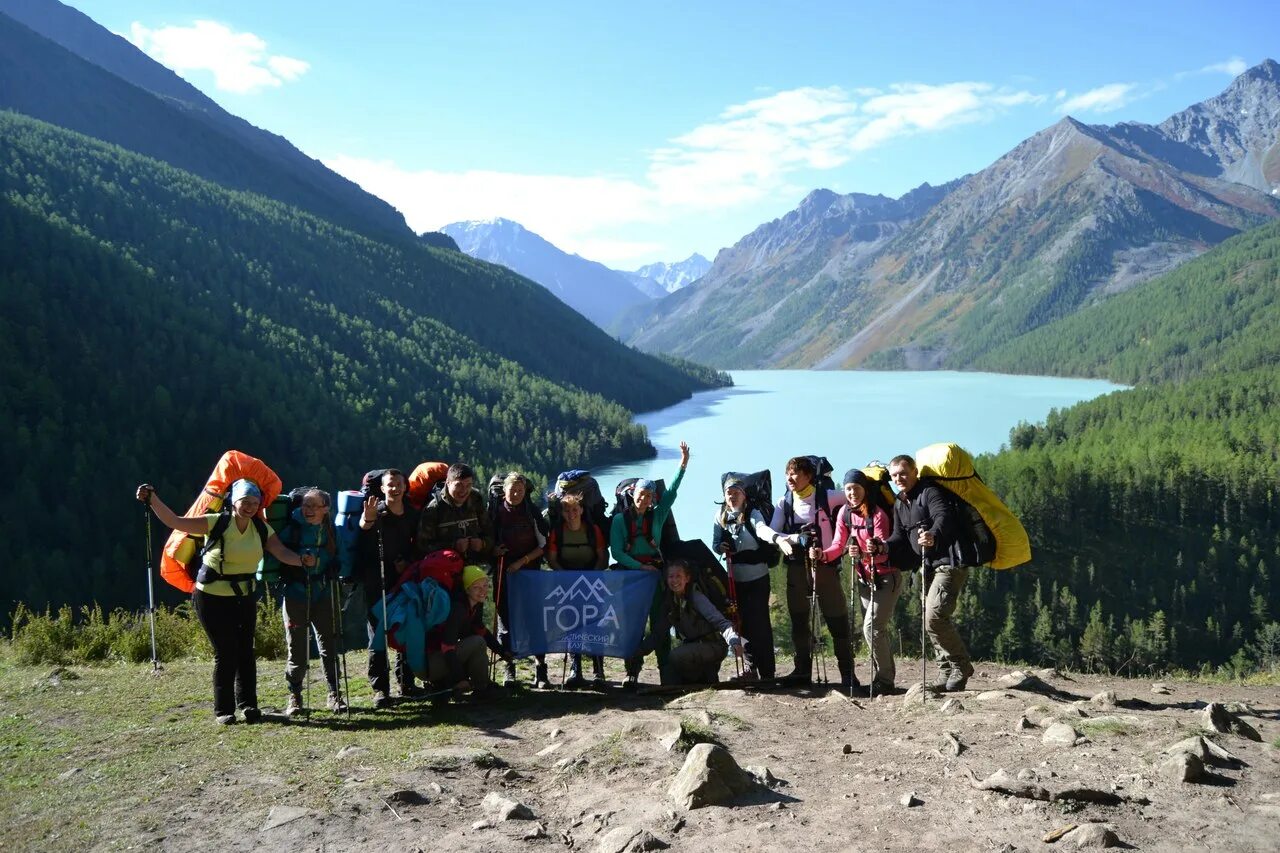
(1069, 217)
(670, 277)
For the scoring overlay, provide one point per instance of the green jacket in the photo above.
(640, 547)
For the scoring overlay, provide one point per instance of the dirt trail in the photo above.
(846, 765)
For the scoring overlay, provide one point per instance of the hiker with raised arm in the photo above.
(805, 517)
(863, 528)
(224, 599)
(743, 536)
(633, 538)
(388, 527)
(924, 519)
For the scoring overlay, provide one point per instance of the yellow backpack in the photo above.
(984, 515)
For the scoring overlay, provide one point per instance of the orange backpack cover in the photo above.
(234, 465)
(423, 479)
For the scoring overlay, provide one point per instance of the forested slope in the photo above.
(152, 319)
(1153, 511)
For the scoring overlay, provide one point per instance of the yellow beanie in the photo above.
(471, 574)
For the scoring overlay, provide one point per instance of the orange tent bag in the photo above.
(181, 548)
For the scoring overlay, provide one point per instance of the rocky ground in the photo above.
(115, 758)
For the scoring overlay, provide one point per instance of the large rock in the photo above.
(1060, 734)
(1003, 783)
(630, 839)
(500, 808)
(1019, 680)
(1217, 718)
(1091, 836)
(1105, 699)
(709, 777)
(1183, 767)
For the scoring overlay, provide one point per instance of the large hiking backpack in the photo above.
(624, 505)
(758, 488)
(822, 483)
(280, 520)
(180, 561)
(991, 535)
(425, 483)
(595, 508)
(200, 573)
(885, 497)
(443, 567)
(371, 484)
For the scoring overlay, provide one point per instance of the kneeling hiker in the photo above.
(633, 538)
(705, 634)
(803, 518)
(456, 651)
(924, 518)
(308, 598)
(864, 526)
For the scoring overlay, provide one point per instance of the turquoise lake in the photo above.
(851, 417)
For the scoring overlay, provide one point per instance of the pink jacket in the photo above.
(881, 526)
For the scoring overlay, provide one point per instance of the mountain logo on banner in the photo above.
(582, 590)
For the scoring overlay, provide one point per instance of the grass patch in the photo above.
(731, 721)
(612, 753)
(694, 732)
(1101, 727)
(1276, 743)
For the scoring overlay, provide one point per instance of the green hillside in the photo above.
(152, 320)
(1153, 511)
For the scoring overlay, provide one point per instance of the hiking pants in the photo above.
(228, 621)
(297, 635)
(472, 653)
(888, 588)
(944, 585)
(378, 670)
(835, 611)
(757, 630)
(657, 632)
(695, 661)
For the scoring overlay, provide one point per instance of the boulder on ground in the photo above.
(952, 706)
(1183, 767)
(1105, 699)
(1216, 717)
(1003, 783)
(1060, 734)
(500, 808)
(1091, 836)
(709, 777)
(630, 839)
(1019, 680)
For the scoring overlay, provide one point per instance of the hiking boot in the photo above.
(631, 682)
(575, 681)
(956, 682)
(336, 703)
(226, 719)
(509, 678)
(540, 679)
(802, 674)
(884, 688)
(849, 684)
(488, 693)
(294, 706)
(746, 676)
(381, 700)
(409, 690)
(251, 714)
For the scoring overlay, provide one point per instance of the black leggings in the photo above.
(228, 621)
(757, 630)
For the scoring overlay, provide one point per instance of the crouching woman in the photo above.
(457, 651)
(705, 634)
(224, 599)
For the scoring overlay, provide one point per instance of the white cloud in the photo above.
(1103, 99)
(239, 61)
(751, 151)
(1235, 66)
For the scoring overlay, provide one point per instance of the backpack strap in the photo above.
(217, 535)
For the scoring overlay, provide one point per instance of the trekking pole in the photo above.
(342, 643)
(497, 593)
(307, 584)
(564, 665)
(817, 651)
(735, 616)
(151, 590)
(924, 595)
(853, 586)
(382, 568)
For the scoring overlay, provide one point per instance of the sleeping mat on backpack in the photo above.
(952, 468)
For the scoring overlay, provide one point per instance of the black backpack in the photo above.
(759, 491)
(595, 509)
(371, 484)
(624, 505)
(975, 543)
(707, 575)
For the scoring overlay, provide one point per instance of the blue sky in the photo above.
(638, 132)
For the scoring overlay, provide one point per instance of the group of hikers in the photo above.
(884, 531)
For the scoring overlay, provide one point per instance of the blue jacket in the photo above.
(297, 535)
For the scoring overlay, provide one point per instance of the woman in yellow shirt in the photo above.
(224, 598)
